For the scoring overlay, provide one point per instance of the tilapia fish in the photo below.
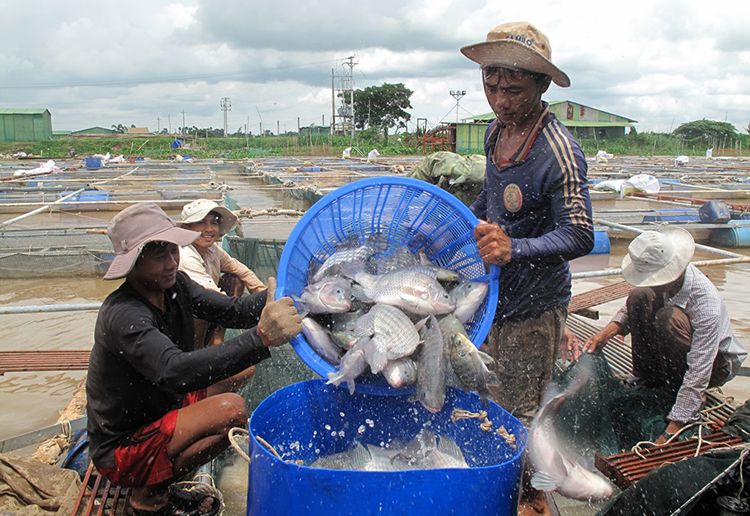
(468, 297)
(352, 364)
(431, 368)
(392, 333)
(470, 365)
(400, 373)
(320, 340)
(330, 295)
(425, 451)
(350, 257)
(554, 470)
(414, 292)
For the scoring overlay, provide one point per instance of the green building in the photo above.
(25, 125)
(96, 130)
(583, 121)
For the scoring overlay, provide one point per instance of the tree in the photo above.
(120, 128)
(381, 106)
(748, 128)
(709, 131)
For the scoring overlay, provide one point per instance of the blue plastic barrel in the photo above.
(407, 212)
(310, 419)
(736, 234)
(601, 242)
(93, 163)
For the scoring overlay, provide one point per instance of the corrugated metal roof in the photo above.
(488, 117)
(22, 111)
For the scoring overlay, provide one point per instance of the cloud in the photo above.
(99, 64)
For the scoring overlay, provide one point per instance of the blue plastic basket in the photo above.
(408, 212)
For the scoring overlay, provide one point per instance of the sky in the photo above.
(151, 62)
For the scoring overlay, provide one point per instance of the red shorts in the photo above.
(142, 459)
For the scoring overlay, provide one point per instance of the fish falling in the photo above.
(555, 468)
(380, 307)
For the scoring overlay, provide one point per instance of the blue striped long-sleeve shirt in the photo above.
(541, 200)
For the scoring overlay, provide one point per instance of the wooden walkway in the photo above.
(38, 360)
(99, 496)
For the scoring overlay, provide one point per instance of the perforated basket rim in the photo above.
(299, 342)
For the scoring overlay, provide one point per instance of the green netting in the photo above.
(284, 367)
(463, 176)
(260, 255)
(607, 416)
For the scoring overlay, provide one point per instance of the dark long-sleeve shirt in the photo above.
(143, 363)
(541, 199)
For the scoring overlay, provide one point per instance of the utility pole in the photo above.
(158, 124)
(277, 128)
(351, 64)
(261, 120)
(183, 122)
(169, 121)
(226, 105)
(457, 94)
(333, 105)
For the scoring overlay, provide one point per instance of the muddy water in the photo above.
(32, 400)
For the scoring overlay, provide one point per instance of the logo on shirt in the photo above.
(512, 198)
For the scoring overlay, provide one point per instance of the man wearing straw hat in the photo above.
(681, 338)
(157, 408)
(535, 213)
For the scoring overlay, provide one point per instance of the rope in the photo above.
(233, 442)
(204, 489)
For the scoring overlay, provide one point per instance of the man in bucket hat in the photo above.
(211, 266)
(535, 214)
(157, 408)
(681, 338)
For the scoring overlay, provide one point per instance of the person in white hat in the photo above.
(209, 265)
(681, 338)
(534, 211)
(157, 407)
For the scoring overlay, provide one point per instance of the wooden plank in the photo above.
(599, 296)
(44, 360)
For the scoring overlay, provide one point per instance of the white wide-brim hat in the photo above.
(198, 210)
(658, 257)
(520, 46)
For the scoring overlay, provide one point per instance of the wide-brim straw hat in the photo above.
(520, 46)
(133, 228)
(658, 257)
(198, 210)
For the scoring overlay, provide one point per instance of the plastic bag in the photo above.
(640, 183)
(372, 154)
(347, 153)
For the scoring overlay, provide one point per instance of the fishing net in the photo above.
(260, 255)
(606, 415)
(463, 176)
(284, 367)
(34, 253)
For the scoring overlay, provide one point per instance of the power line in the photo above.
(163, 79)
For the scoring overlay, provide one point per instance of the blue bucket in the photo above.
(408, 212)
(310, 419)
(93, 163)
